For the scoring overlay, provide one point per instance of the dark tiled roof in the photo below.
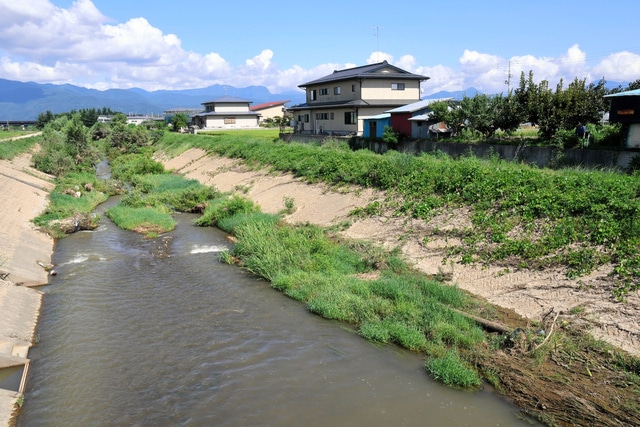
(226, 99)
(368, 71)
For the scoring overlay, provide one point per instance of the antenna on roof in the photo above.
(377, 34)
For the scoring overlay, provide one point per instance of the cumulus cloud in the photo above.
(625, 66)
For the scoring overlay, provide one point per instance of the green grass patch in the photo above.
(147, 221)
(77, 192)
(451, 370)
(10, 149)
(398, 306)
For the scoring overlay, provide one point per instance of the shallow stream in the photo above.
(138, 332)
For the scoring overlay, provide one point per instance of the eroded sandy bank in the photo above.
(529, 293)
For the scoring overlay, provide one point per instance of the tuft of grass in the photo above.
(451, 370)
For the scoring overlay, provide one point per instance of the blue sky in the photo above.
(196, 43)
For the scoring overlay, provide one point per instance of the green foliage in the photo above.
(126, 166)
(563, 109)
(64, 201)
(65, 147)
(389, 135)
(179, 121)
(226, 207)
(127, 139)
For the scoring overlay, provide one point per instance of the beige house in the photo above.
(269, 110)
(226, 112)
(338, 103)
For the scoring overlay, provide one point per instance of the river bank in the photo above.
(574, 385)
(529, 293)
(24, 193)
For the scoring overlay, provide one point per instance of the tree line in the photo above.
(555, 113)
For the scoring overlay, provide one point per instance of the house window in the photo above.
(353, 88)
(397, 86)
(331, 116)
(350, 118)
(324, 91)
(322, 116)
(229, 120)
(336, 90)
(306, 118)
(312, 95)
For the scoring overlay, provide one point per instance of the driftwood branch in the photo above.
(488, 324)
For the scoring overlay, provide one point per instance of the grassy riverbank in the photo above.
(523, 216)
(547, 373)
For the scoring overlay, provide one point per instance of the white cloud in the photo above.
(79, 45)
(621, 66)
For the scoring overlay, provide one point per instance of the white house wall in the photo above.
(231, 108)
(217, 122)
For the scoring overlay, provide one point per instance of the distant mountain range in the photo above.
(24, 101)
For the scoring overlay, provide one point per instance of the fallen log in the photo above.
(488, 324)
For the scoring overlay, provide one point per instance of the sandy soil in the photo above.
(528, 293)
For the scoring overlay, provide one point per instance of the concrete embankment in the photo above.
(23, 194)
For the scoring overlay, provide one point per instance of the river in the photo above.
(138, 332)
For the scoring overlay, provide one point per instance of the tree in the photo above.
(507, 115)
(43, 119)
(179, 121)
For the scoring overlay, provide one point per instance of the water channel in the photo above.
(138, 332)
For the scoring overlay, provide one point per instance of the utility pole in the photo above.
(508, 81)
(377, 34)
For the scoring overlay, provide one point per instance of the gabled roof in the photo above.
(635, 92)
(226, 99)
(417, 106)
(267, 105)
(379, 70)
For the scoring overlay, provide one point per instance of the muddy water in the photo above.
(139, 332)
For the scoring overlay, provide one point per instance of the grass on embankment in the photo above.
(10, 149)
(522, 216)
(332, 277)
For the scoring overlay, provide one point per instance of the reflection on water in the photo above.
(158, 332)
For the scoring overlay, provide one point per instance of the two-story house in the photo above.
(339, 103)
(226, 112)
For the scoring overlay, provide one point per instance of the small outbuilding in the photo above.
(625, 109)
(374, 125)
(416, 120)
